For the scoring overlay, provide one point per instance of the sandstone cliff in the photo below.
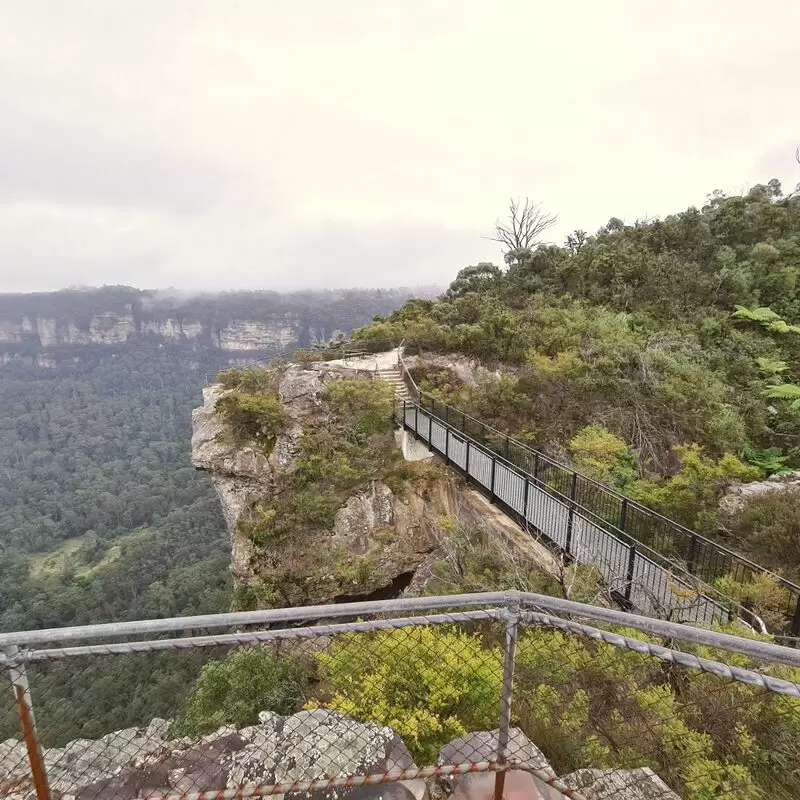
(108, 328)
(380, 534)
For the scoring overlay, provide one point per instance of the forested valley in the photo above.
(102, 516)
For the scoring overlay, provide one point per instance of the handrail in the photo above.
(404, 371)
(278, 354)
(722, 601)
(705, 559)
(606, 490)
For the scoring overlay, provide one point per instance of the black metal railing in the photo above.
(666, 541)
(635, 574)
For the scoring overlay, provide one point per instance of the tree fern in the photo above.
(771, 366)
(765, 317)
(786, 391)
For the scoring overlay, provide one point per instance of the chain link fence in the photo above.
(471, 696)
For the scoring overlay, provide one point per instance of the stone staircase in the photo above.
(394, 377)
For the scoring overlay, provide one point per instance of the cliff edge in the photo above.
(319, 503)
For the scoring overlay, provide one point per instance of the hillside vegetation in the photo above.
(661, 357)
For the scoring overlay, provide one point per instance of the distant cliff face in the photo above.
(238, 323)
(108, 328)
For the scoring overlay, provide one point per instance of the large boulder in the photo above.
(482, 746)
(620, 784)
(738, 494)
(309, 745)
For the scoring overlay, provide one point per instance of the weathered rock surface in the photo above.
(739, 493)
(377, 537)
(109, 327)
(636, 784)
(309, 745)
(621, 784)
(482, 746)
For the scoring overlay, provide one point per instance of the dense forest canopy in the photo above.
(667, 350)
(102, 516)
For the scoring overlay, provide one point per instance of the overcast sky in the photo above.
(285, 144)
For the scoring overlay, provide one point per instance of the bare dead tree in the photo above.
(524, 228)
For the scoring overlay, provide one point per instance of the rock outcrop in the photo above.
(622, 784)
(133, 763)
(382, 539)
(738, 494)
(310, 745)
(109, 327)
(379, 537)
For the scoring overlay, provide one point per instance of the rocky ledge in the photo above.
(385, 533)
(738, 494)
(309, 745)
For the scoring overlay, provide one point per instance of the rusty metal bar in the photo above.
(512, 631)
(22, 699)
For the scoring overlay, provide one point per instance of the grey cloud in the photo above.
(211, 145)
(43, 159)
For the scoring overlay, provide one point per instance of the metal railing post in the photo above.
(691, 554)
(629, 573)
(466, 458)
(512, 634)
(795, 631)
(491, 482)
(416, 419)
(22, 700)
(447, 445)
(623, 513)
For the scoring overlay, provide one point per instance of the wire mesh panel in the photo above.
(628, 718)
(438, 436)
(440, 701)
(457, 450)
(591, 544)
(509, 486)
(373, 699)
(656, 591)
(16, 776)
(480, 466)
(423, 426)
(548, 515)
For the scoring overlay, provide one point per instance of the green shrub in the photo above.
(232, 691)
(363, 407)
(601, 455)
(430, 684)
(762, 594)
(248, 379)
(307, 357)
(768, 528)
(588, 704)
(253, 417)
(691, 496)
